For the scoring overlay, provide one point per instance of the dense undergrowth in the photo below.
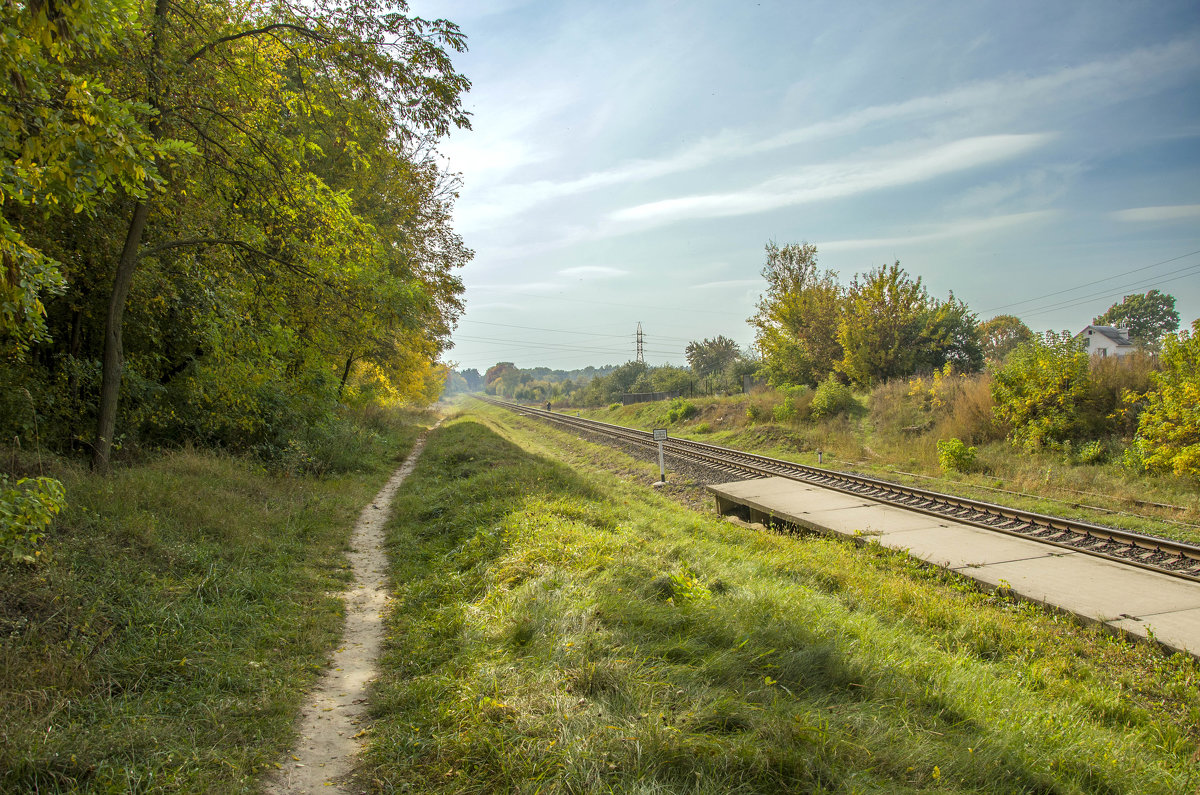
(182, 607)
(558, 630)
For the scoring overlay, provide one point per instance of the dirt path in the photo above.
(333, 721)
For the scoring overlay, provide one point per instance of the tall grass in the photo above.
(166, 644)
(558, 632)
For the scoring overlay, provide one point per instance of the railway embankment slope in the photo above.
(559, 626)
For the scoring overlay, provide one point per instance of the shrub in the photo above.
(1039, 391)
(1094, 452)
(1168, 432)
(954, 456)
(614, 406)
(832, 398)
(757, 411)
(704, 427)
(681, 410)
(785, 411)
(26, 510)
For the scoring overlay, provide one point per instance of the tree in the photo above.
(1001, 335)
(68, 141)
(240, 88)
(1168, 434)
(796, 326)
(711, 357)
(1040, 390)
(1147, 317)
(882, 325)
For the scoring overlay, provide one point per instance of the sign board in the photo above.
(660, 434)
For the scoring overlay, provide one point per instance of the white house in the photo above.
(1106, 341)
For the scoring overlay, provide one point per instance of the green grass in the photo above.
(560, 630)
(187, 603)
(1043, 482)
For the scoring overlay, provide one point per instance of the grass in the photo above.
(559, 630)
(879, 443)
(187, 603)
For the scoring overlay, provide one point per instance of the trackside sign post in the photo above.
(660, 436)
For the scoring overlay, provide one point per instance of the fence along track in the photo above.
(1175, 558)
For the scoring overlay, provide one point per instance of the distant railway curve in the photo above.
(1176, 558)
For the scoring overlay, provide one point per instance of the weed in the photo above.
(954, 456)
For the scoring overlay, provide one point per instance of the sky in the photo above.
(629, 161)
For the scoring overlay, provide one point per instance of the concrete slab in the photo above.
(1169, 628)
(1123, 598)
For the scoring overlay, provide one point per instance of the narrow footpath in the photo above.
(332, 727)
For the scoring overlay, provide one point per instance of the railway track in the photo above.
(1175, 558)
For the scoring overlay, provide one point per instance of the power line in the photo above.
(1090, 284)
(1113, 294)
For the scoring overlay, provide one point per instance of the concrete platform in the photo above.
(1126, 599)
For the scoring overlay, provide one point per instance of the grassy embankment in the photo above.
(877, 440)
(187, 603)
(563, 630)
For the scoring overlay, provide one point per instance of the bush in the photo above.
(954, 456)
(26, 511)
(833, 398)
(681, 410)
(1168, 432)
(758, 411)
(614, 406)
(1094, 452)
(704, 427)
(1040, 389)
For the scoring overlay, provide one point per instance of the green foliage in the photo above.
(1000, 335)
(833, 398)
(1040, 390)
(797, 319)
(680, 410)
(758, 411)
(70, 141)
(891, 327)
(1147, 317)
(26, 510)
(1168, 433)
(711, 357)
(703, 427)
(954, 456)
(296, 252)
(1093, 452)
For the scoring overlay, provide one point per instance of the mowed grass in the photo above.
(557, 632)
(187, 604)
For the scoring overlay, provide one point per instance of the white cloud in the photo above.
(1170, 212)
(961, 228)
(592, 272)
(977, 107)
(837, 180)
(527, 287)
(727, 283)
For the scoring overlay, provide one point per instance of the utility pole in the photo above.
(640, 339)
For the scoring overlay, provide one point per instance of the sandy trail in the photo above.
(333, 722)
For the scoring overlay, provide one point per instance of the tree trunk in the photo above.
(113, 363)
(345, 375)
(110, 374)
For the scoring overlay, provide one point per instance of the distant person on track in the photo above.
(548, 406)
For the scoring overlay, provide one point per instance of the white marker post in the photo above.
(660, 436)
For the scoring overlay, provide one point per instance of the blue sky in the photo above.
(629, 161)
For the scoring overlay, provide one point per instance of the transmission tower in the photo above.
(640, 339)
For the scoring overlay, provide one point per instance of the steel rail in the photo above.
(1166, 556)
